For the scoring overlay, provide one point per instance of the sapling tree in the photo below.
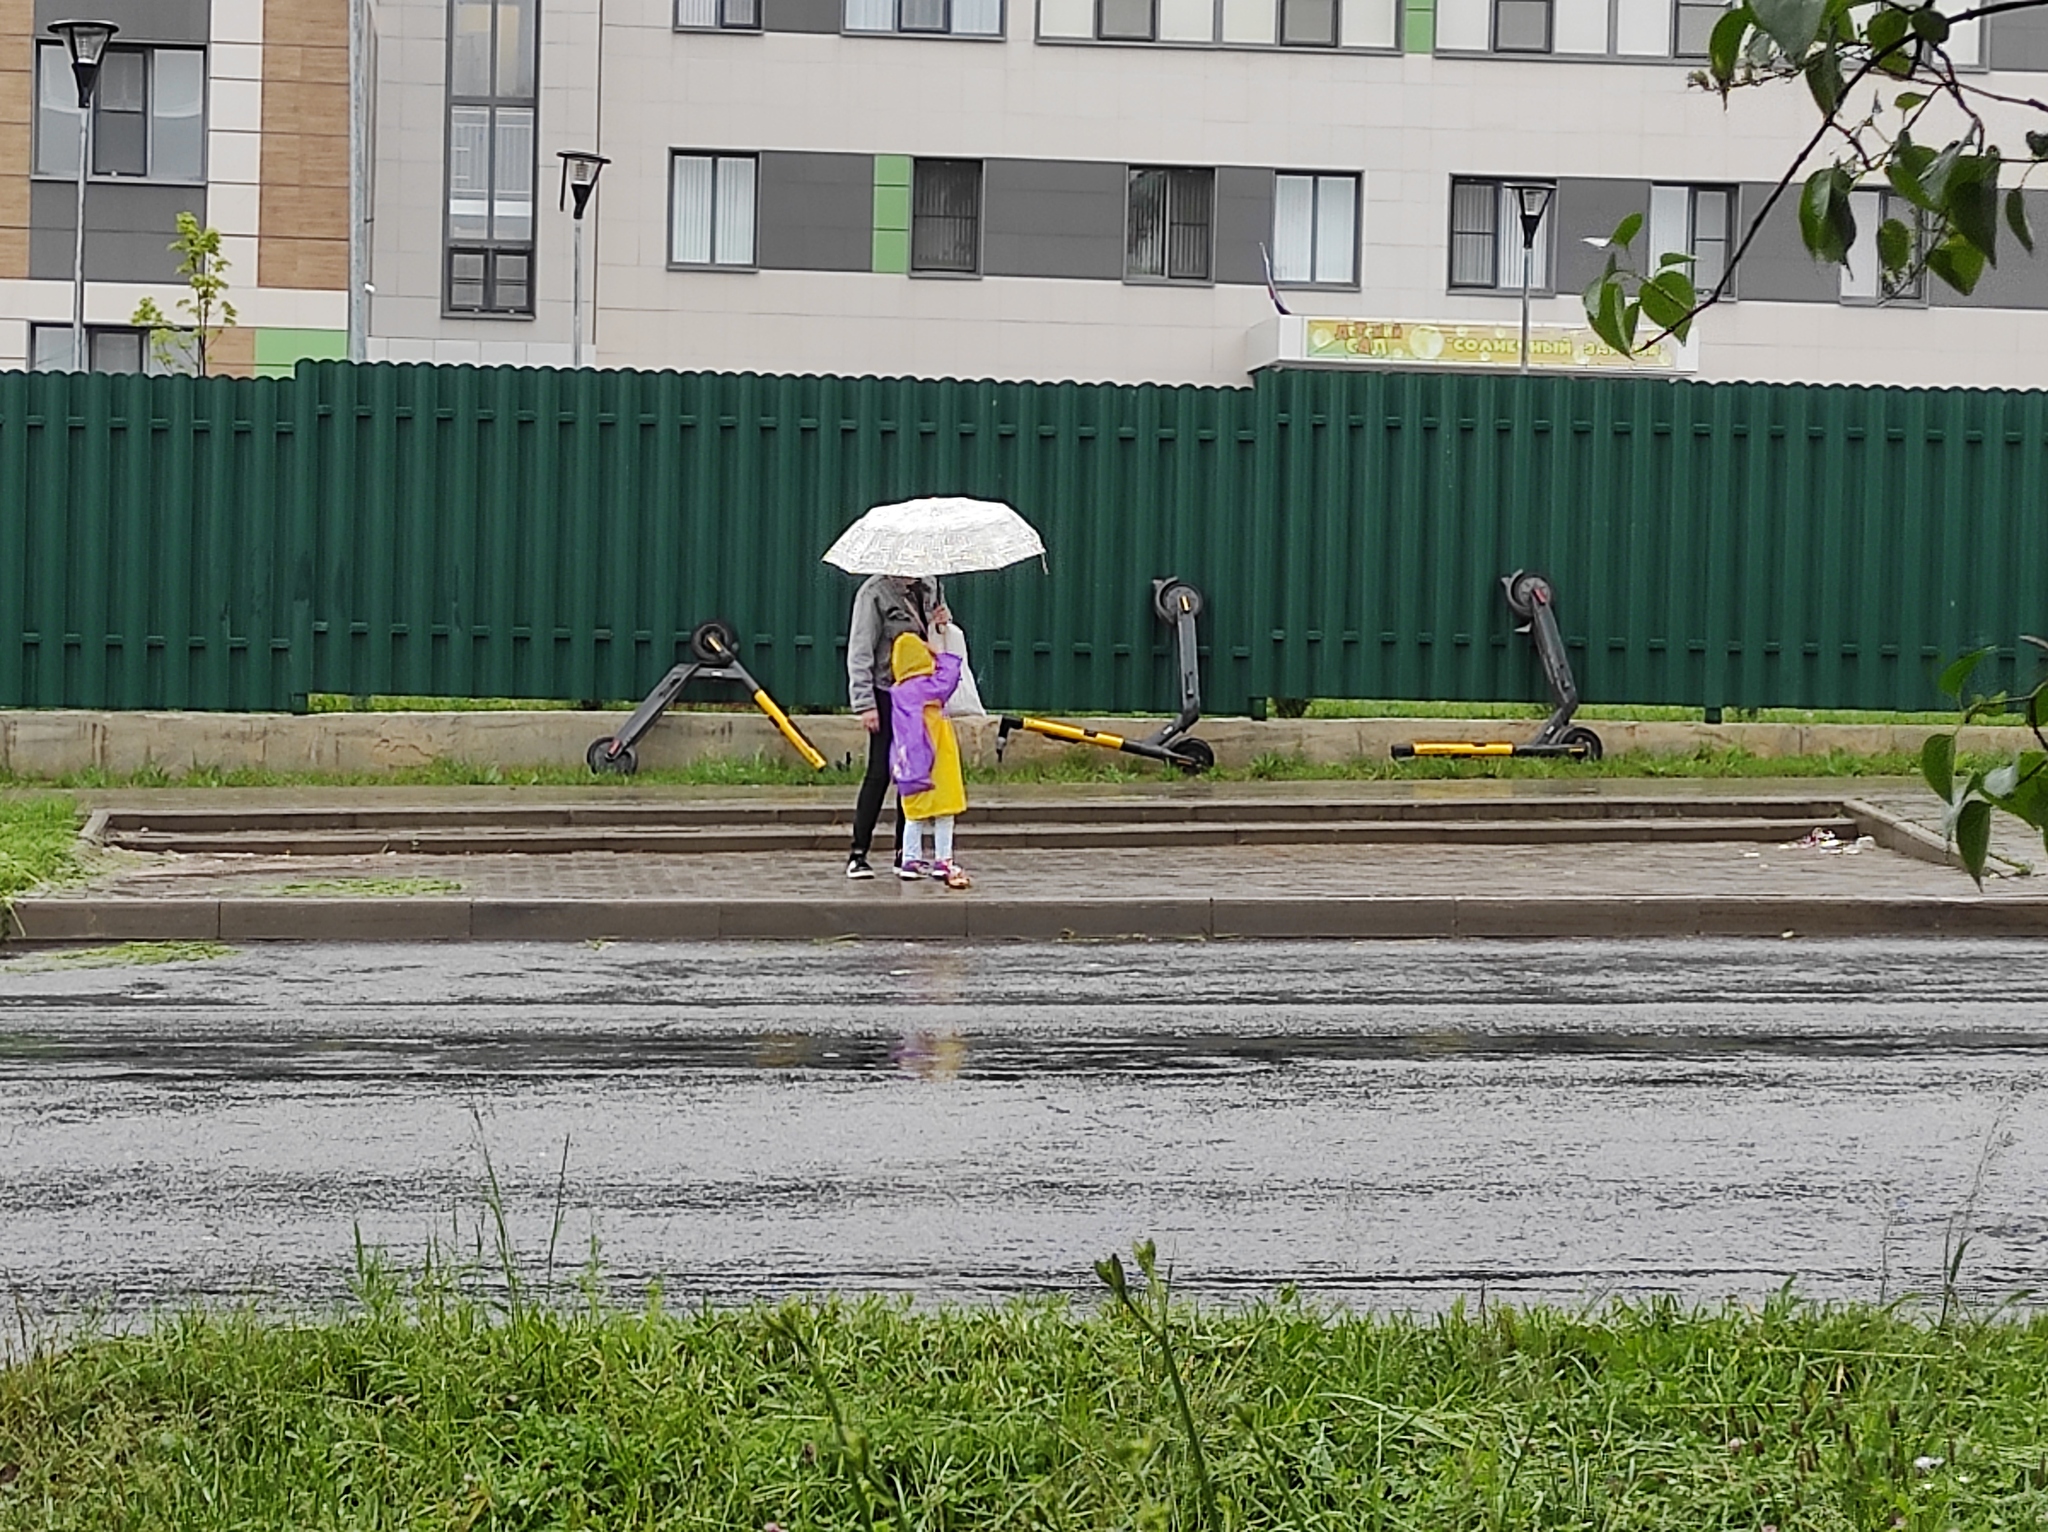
(183, 346)
(2018, 787)
(1894, 111)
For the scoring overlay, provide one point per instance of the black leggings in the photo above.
(874, 787)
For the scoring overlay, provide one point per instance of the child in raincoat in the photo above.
(924, 758)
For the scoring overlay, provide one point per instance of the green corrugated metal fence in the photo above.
(455, 531)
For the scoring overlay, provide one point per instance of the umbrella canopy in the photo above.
(939, 535)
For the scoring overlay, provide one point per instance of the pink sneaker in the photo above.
(951, 874)
(910, 872)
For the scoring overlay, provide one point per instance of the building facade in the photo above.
(235, 111)
(1018, 189)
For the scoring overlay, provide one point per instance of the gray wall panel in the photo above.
(800, 15)
(817, 212)
(128, 230)
(1587, 208)
(140, 21)
(1244, 222)
(2019, 281)
(2019, 39)
(1778, 268)
(1053, 218)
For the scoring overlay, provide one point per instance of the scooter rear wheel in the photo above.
(599, 759)
(1583, 736)
(714, 642)
(1197, 755)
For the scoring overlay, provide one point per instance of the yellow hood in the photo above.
(911, 657)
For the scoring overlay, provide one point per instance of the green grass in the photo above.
(128, 954)
(1078, 766)
(38, 842)
(1329, 707)
(436, 1405)
(367, 888)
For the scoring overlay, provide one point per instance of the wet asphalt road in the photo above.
(1389, 1124)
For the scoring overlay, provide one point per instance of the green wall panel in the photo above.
(232, 543)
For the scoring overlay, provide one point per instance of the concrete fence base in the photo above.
(55, 743)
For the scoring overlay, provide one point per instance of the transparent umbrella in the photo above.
(939, 535)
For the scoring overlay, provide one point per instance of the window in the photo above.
(1486, 237)
(110, 348)
(945, 215)
(1521, 26)
(1169, 225)
(148, 118)
(1125, 21)
(1693, 25)
(938, 18)
(1863, 277)
(1695, 221)
(1315, 230)
(1308, 23)
(492, 54)
(718, 15)
(711, 210)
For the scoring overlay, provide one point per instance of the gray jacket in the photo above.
(883, 608)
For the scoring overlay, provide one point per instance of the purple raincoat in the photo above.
(911, 756)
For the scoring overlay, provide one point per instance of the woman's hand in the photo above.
(942, 616)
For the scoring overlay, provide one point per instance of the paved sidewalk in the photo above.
(1756, 886)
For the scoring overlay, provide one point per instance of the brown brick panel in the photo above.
(303, 216)
(233, 353)
(17, 102)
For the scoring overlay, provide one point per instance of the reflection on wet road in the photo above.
(1391, 1124)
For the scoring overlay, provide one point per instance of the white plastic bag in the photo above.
(966, 699)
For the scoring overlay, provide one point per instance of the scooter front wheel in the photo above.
(1196, 755)
(601, 759)
(1583, 736)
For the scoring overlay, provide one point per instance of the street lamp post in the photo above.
(1532, 201)
(87, 43)
(580, 170)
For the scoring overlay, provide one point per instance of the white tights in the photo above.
(942, 839)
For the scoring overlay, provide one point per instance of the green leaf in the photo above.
(1958, 263)
(1909, 99)
(1675, 258)
(1605, 310)
(1886, 28)
(2037, 144)
(1824, 80)
(1668, 298)
(1111, 1273)
(1929, 25)
(1971, 201)
(1894, 245)
(1792, 24)
(1724, 45)
(1938, 765)
(1953, 679)
(1973, 837)
(2016, 219)
(1826, 221)
(1626, 231)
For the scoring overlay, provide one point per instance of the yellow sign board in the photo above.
(1552, 347)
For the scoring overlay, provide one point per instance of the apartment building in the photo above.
(1087, 189)
(235, 111)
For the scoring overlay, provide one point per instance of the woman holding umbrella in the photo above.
(904, 549)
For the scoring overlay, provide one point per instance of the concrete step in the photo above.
(118, 823)
(990, 834)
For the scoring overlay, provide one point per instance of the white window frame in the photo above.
(1507, 220)
(48, 54)
(722, 11)
(1316, 180)
(718, 160)
(1872, 205)
(1674, 211)
(884, 18)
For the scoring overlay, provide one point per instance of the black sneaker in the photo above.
(857, 867)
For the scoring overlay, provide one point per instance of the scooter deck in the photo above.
(1477, 749)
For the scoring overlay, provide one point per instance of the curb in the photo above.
(952, 918)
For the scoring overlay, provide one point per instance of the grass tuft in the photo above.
(435, 1401)
(38, 843)
(129, 954)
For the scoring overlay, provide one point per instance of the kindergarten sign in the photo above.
(1413, 343)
